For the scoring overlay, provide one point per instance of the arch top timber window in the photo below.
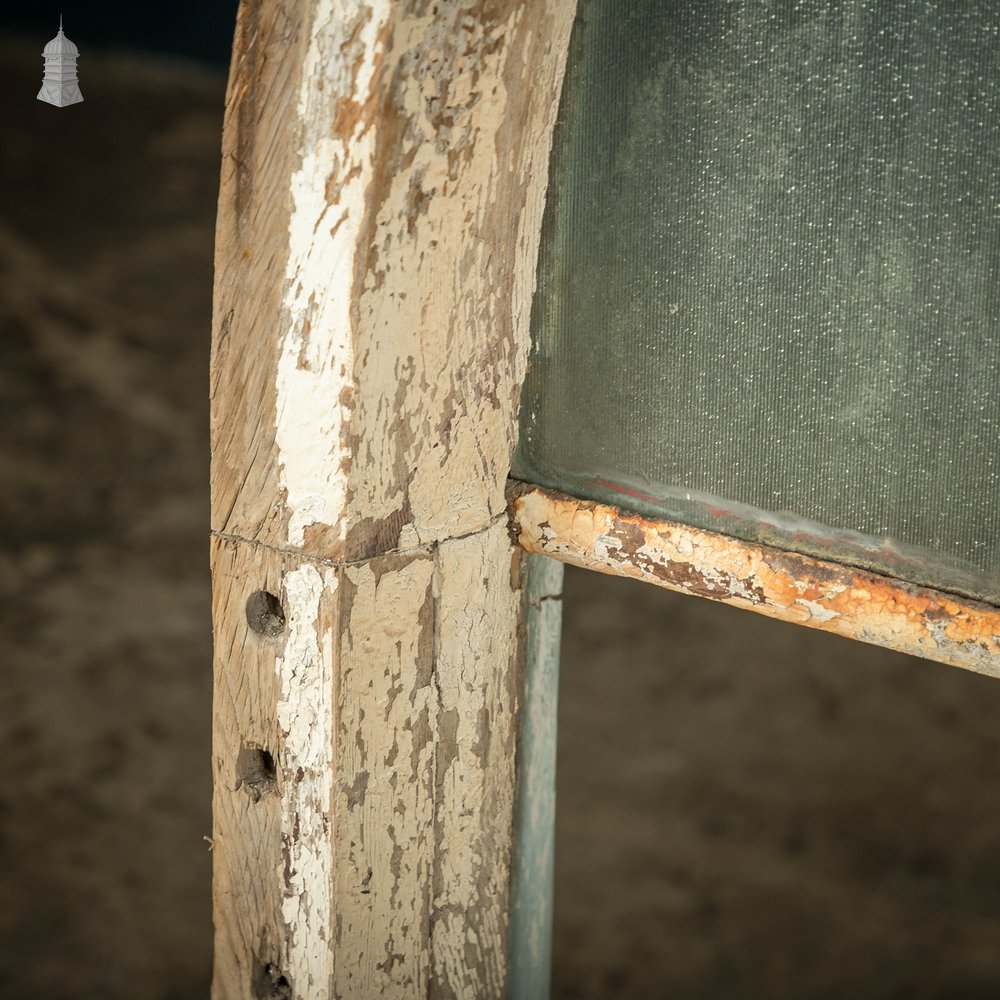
(768, 298)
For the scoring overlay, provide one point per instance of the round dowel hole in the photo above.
(255, 772)
(270, 984)
(265, 616)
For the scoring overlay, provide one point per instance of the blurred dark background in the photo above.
(746, 809)
(194, 30)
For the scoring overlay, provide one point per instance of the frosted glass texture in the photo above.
(768, 295)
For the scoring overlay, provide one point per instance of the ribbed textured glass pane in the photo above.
(768, 295)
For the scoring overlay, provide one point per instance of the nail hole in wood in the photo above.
(270, 984)
(255, 772)
(265, 615)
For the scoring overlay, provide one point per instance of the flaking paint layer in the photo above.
(836, 598)
(478, 710)
(328, 190)
(305, 717)
(384, 798)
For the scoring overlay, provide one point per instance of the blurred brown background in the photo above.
(746, 809)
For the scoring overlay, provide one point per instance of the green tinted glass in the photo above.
(767, 294)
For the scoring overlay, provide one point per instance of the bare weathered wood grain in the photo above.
(250, 933)
(384, 167)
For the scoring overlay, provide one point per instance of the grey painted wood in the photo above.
(530, 959)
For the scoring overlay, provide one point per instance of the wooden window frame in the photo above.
(383, 737)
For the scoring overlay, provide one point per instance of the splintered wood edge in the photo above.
(785, 585)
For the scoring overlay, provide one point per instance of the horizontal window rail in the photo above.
(788, 586)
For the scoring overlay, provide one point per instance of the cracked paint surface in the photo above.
(316, 359)
(384, 169)
(304, 715)
(384, 799)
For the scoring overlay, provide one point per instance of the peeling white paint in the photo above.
(393, 342)
(316, 360)
(305, 718)
(605, 546)
(816, 611)
(477, 640)
(384, 798)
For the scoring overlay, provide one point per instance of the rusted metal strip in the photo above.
(784, 585)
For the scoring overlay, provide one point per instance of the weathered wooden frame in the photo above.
(384, 719)
(384, 167)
